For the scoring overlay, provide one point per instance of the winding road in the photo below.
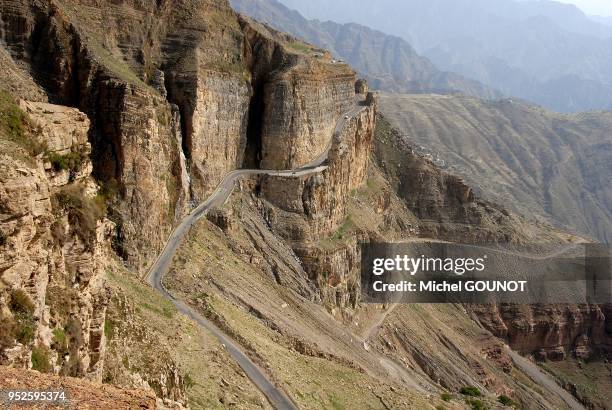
(276, 396)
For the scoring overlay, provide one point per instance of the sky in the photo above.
(593, 7)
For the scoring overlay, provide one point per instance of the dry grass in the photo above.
(142, 341)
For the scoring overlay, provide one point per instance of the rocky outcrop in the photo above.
(312, 207)
(178, 96)
(301, 110)
(53, 298)
(134, 151)
(308, 209)
(137, 157)
(550, 332)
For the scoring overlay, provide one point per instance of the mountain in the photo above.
(539, 162)
(387, 62)
(545, 52)
(183, 197)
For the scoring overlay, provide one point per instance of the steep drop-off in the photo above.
(292, 297)
(54, 241)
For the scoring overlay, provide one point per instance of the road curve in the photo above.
(276, 396)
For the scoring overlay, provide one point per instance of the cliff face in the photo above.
(306, 210)
(153, 103)
(178, 97)
(134, 151)
(54, 243)
(301, 109)
(551, 332)
(312, 207)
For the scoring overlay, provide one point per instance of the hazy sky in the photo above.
(593, 7)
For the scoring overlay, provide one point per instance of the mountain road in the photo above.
(275, 395)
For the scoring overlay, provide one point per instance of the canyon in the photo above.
(120, 118)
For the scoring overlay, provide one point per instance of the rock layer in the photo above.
(50, 250)
(162, 83)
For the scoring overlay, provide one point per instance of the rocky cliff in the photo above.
(54, 242)
(126, 114)
(152, 104)
(177, 96)
(306, 210)
(551, 332)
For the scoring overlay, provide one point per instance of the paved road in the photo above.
(543, 379)
(275, 396)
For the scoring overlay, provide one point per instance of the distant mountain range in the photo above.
(538, 162)
(388, 62)
(543, 51)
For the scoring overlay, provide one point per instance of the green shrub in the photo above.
(21, 303)
(41, 359)
(446, 397)
(26, 329)
(66, 162)
(109, 329)
(189, 382)
(60, 343)
(8, 329)
(15, 126)
(299, 46)
(476, 404)
(470, 391)
(109, 189)
(83, 212)
(23, 310)
(506, 401)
